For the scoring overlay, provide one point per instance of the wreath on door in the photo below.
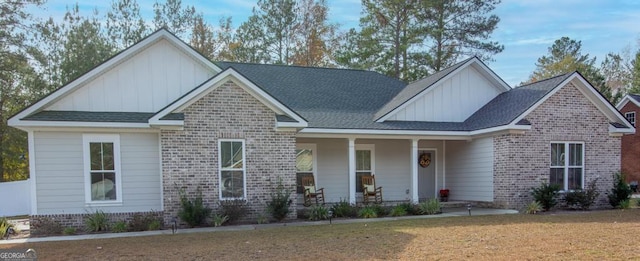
(425, 159)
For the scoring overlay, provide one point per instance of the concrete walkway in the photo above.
(447, 212)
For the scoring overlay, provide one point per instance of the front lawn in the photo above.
(593, 235)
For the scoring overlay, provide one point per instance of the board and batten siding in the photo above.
(146, 82)
(469, 169)
(452, 100)
(60, 178)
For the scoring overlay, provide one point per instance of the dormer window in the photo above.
(631, 117)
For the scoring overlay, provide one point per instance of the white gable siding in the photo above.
(146, 82)
(452, 100)
(469, 169)
(60, 178)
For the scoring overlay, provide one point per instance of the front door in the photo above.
(426, 174)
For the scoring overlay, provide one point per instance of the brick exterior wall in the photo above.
(190, 156)
(631, 148)
(522, 162)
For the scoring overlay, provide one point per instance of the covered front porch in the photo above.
(408, 169)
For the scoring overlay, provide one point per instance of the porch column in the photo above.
(352, 170)
(414, 171)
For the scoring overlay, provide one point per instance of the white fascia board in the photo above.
(466, 134)
(291, 124)
(219, 80)
(491, 75)
(24, 125)
(501, 128)
(626, 100)
(105, 66)
(613, 130)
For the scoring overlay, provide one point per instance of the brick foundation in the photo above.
(77, 221)
(522, 161)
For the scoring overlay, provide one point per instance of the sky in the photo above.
(527, 28)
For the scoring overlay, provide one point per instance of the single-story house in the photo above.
(629, 106)
(159, 117)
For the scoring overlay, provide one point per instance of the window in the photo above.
(364, 164)
(305, 162)
(567, 165)
(232, 172)
(631, 117)
(102, 169)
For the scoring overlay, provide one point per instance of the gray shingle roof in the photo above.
(89, 116)
(635, 97)
(415, 88)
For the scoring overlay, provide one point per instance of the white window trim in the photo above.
(244, 169)
(627, 114)
(372, 148)
(565, 185)
(115, 139)
(314, 155)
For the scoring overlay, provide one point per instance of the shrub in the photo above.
(278, 206)
(430, 207)
(368, 212)
(620, 191)
(545, 195)
(119, 227)
(409, 207)
(4, 226)
(318, 212)
(234, 209)
(218, 219)
(154, 225)
(398, 211)
(344, 209)
(69, 231)
(97, 222)
(533, 207)
(140, 222)
(582, 199)
(625, 204)
(45, 226)
(263, 219)
(193, 212)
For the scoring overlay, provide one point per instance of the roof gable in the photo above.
(115, 80)
(633, 98)
(288, 117)
(465, 87)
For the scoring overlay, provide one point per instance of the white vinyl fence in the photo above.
(15, 198)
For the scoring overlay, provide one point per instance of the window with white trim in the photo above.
(364, 163)
(102, 168)
(232, 169)
(567, 165)
(305, 164)
(631, 117)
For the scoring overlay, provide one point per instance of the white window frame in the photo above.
(314, 155)
(372, 149)
(632, 115)
(107, 138)
(565, 185)
(244, 168)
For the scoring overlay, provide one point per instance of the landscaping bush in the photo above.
(620, 191)
(582, 199)
(344, 209)
(45, 226)
(409, 207)
(219, 220)
(119, 227)
(368, 212)
(398, 211)
(279, 204)
(381, 211)
(533, 207)
(318, 212)
(4, 225)
(69, 231)
(546, 195)
(97, 222)
(193, 212)
(154, 225)
(142, 222)
(625, 204)
(430, 207)
(234, 209)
